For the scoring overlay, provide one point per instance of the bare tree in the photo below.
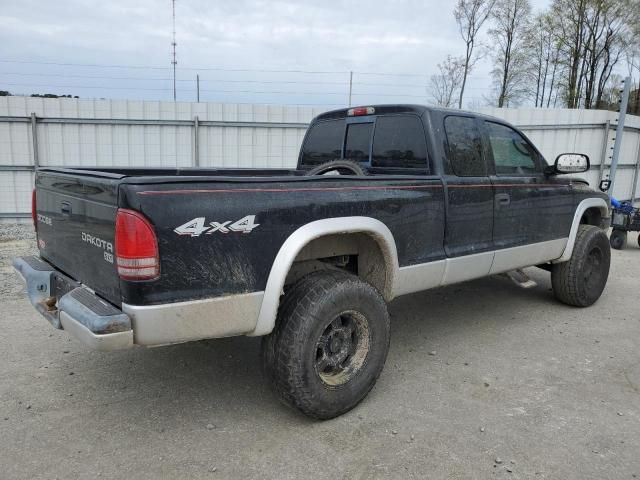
(568, 56)
(446, 83)
(633, 65)
(511, 57)
(633, 58)
(612, 93)
(607, 39)
(593, 37)
(540, 42)
(572, 15)
(470, 15)
(545, 58)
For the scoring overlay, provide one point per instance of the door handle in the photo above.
(503, 199)
(65, 208)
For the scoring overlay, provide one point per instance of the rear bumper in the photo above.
(70, 306)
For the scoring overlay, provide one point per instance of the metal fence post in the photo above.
(34, 137)
(196, 141)
(605, 144)
(619, 133)
(636, 173)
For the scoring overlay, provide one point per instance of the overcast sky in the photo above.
(214, 38)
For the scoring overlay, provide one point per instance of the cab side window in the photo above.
(399, 142)
(464, 144)
(512, 154)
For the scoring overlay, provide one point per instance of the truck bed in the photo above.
(77, 209)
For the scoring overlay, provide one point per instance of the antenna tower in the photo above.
(174, 62)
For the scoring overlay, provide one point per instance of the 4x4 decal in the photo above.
(197, 227)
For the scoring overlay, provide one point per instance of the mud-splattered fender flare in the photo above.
(305, 234)
(583, 206)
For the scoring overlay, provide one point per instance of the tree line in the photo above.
(573, 55)
(6, 93)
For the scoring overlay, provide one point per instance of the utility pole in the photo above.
(198, 87)
(350, 86)
(624, 103)
(174, 62)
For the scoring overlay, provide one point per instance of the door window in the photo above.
(512, 154)
(399, 142)
(465, 146)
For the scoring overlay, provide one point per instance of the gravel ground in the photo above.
(483, 380)
(15, 240)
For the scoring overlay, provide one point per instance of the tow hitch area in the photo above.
(70, 306)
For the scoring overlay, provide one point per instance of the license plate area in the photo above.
(61, 285)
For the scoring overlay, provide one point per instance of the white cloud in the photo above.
(408, 36)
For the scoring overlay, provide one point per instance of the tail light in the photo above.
(137, 255)
(34, 209)
(360, 111)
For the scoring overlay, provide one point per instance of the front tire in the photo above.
(329, 345)
(581, 280)
(618, 239)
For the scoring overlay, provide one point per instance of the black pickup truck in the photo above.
(385, 201)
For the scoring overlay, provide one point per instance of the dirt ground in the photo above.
(483, 380)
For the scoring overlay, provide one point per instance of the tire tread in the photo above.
(280, 359)
(565, 276)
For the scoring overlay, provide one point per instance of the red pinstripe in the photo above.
(339, 189)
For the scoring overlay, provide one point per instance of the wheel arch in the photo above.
(306, 234)
(582, 214)
(592, 216)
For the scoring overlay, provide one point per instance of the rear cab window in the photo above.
(358, 142)
(385, 144)
(464, 144)
(323, 143)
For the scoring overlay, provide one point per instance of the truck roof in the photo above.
(400, 108)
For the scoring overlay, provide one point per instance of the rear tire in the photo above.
(581, 280)
(329, 345)
(618, 239)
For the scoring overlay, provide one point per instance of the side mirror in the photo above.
(605, 185)
(571, 163)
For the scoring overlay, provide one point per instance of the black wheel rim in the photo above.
(592, 273)
(342, 349)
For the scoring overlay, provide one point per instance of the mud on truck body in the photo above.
(385, 201)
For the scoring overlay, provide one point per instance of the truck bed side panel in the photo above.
(216, 263)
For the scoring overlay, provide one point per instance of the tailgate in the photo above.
(76, 227)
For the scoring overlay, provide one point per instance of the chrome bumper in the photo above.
(68, 305)
(79, 311)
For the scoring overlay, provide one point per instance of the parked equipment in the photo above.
(625, 218)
